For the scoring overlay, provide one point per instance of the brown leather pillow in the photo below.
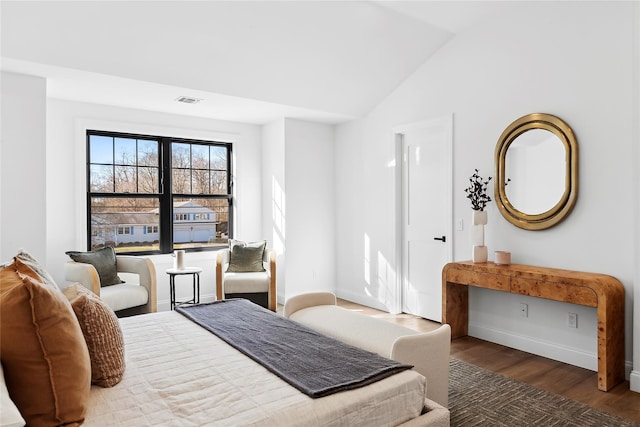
(102, 333)
(44, 356)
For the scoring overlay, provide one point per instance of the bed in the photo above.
(180, 374)
(175, 372)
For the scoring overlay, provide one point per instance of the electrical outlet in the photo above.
(524, 310)
(572, 320)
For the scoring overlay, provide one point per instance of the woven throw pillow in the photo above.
(246, 257)
(44, 355)
(104, 260)
(102, 334)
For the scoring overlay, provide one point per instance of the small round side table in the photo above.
(195, 272)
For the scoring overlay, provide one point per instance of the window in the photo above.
(153, 194)
(124, 230)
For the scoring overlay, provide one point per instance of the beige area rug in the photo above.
(478, 397)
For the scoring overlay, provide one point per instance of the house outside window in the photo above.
(154, 194)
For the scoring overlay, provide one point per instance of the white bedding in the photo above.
(179, 374)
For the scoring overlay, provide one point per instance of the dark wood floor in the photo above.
(557, 377)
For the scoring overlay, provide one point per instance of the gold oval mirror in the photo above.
(536, 183)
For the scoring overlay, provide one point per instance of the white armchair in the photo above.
(137, 295)
(256, 286)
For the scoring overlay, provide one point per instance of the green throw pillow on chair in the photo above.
(246, 257)
(104, 260)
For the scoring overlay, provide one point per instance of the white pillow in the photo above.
(9, 416)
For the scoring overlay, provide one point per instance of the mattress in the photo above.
(179, 374)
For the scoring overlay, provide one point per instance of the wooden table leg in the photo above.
(455, 308)
(611, 352)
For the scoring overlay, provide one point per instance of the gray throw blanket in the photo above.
(314, 363)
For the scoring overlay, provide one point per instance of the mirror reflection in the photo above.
(535, 169)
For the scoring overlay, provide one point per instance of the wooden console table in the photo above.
(589, 289)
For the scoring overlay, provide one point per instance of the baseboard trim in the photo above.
(634, 381)
(564, 354)
(546, 349)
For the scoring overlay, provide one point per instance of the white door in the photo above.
(426, 214)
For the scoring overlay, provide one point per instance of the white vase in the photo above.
(178, 260)
(479, 218)
(479, 252)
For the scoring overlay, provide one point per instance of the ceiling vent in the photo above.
(188, 99)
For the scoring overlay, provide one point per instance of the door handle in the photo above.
(442, 239)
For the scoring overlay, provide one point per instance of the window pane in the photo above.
(101, 179)
(199, 156)
(147, 153)
(180, 155)
(218, 182)
(125, 153)
(200, 222)
(100, 149)
(127, 224)
(148, 180)
(200, 181)
(181, 179)
(219, 158)
(125, 179)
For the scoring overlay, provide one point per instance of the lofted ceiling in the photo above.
(249, 61)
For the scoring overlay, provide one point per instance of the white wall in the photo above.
(550, 59)
(274, 200)
(364, 215)
(22, 166)
(310, 207)
(299, 204)
(66, 158)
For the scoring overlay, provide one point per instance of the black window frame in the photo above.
(165, 196)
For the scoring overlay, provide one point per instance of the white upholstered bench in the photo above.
(428, 352)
